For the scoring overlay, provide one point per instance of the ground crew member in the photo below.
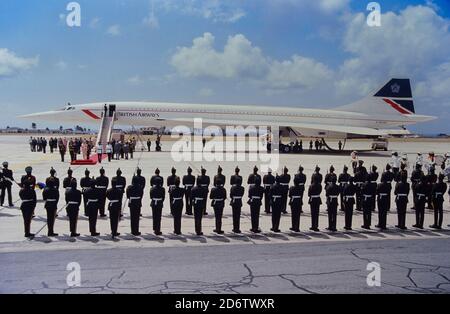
(73, 200)
(85, 183)
(344, 178)
(300, 178)
(219, 179)
(177, 205)
(388, 176)
(401, 192)
(315, 201)
(437, 194)
(416, 178)
(419, 201)
(204, 181)
(28, 198)
(92, 197)
(155, 178)
(296, 202)
(276, 196)
(102, 183)
(383, 202)
(188, 183)
(285, 179)
(121, 184)
(114, 195)
(332, 193)
(51, 197)
(157, 196)
(8, 180)
(329, 176)
(218, 196)
(349, 190)
(135, 193)
(368, 190)
(199, 195)
(236, 194)
(255, 195)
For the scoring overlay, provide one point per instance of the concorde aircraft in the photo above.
(383, 113)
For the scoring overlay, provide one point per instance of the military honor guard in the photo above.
(348, 193)
(416, 178)
(102, 184)
(314, 192)
(368, 190)
(296, 202)
(115, 196)
(188, 183)
(67, 182)
(156, 177)
(383, 202)
(332, 191)
(420, 198)
(344, 178)
(219, 178)
(135, 193)
(218, 196)
(50, 195)
(171, 185)
(388, 177)
(300, 179)
(92, 197)
(276, 195)
(204, 182)
(85, 183)
(373, 177)
(28, 197)
(330, 176)
(255, 196)
(437, 195)
(6, 184)
(199, 196)
(268, 181)
(73, 201)
(401, 199)
(236, 194)
(157, 196)
(177, 205)
(121, 184)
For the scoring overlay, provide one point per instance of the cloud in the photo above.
(151, 21)
(11, 64)
(242, 61)
(113, 30)
(134, 80)
(94, 22)
(331, 6)
(206, 92)
(321, 6)
(61, 65)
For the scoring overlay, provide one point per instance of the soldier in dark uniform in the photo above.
(218, 196)
(330, 176)
(373, 176)
(317, 176)
(348, 192)
(401, 192)
(276, 196)
(171, 185)
(102, 183)
(73, 200)
(85, 183)
(383, 202)
(251, 178)
(360, 178)
(315, 201)
(51, 197)
(142, 182)
(219, 179)
(437, 196)
(296, 202)
(285, 179)
(8, 180)
(332, 192)
(28, 177)
(114, 196)
(204, 181)
(403, 172)
(155, 178)
(255, 195)
(419, 201)
(300, 178)
(53, 178)
(431, 179)
(135, 193)
(28, 198)
(344, 178)
(236, 177)
(177, 205)
(368, 192)
(157, 196)
(388, 177)
(121, 184)
(92, 197)
(416, 177)
(199, 196)
(236, 194)
(188, 183)
(68, 180)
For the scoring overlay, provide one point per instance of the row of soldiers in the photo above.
(361, 190)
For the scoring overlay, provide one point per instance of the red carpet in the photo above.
(90, 162)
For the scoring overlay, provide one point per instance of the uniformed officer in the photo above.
(236, 194)
(388, 176)
(73, 200)
(155, 178)
(431, 179)
(157, 196)
(332, 192)
(67, 182)
(395, 163)
(383, 202)
(401, 192)
(296, 202)
(317, 176)
(276, 196)
(402, 172)
(53, 178)
(252, 177)
(29, 177)
(204, 181)
(218, 196)
(255, 195)
(199, 196)
(330, 176)
(92, 197)
(437, 194)
(50, 195)
(114, 195)
(368, 190)
(416, 177)
(102, 183)
(85, 183)
(344, 178)
(268, 181)
(348, 193)
(219, 179)
(300, 178)
(177, 205)
(315, 189)
(419, 201)
(285, 180)
(171, 185)
(8, 180)
(142, 182)
(28, 197)
(360, 178)
(188, 183)
(236, 177)
(121, 184)
(373, 177)
(135, 193)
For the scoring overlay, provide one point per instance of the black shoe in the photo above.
(52, 234)
(314, 229)
(103, 216)
(294, 230)
(205, 214)
(189, 214)
(218, 231)
(237, 231)
(199, 234)
(177, 233)
(365, 227)
(415, 226)
(158, 233)
(95, 234)
(348, 229)
(74, 235)
(29, 235)
(136, 234)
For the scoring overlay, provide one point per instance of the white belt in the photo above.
(198, 199)
(91, 201)
(344, 182)
(119, 186)
(157, 200)
(295, 197)
(314, 196)
(402, 195)
(284, 184)
(188, 185)
(332, 196)
(276, 196)
(373, 181)
(114, 201)
(172, 186)
(420, 195)
(268, 185)
(383, 194)
(388, 182)
(27, 201)
(256, 197)
(218, 199)
(134, 198)
(301, 184)
(219, 185)
(204, 185)
(73, 203)
(102, 187)
(366, 196)
(51, 200)
(439, 193)
(176, 199)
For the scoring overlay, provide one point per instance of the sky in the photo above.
(296, 53)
